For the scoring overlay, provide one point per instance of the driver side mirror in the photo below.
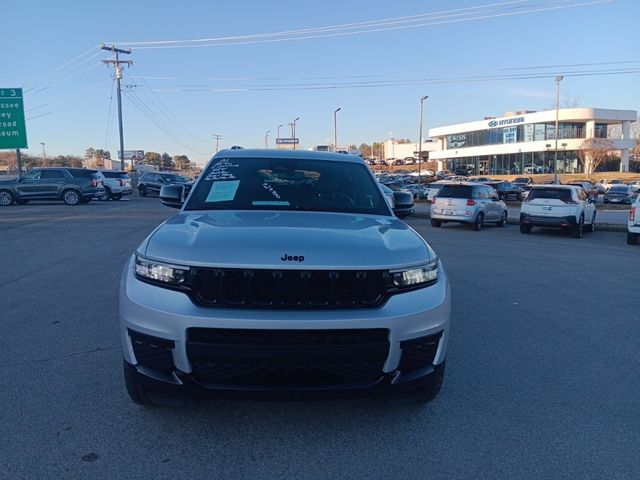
(172, 195)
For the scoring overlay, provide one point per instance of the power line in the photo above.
(405, 82)
(59, 67)
(161, 107)
(381, 25)
(142, 108)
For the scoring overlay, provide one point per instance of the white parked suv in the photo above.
(116, 184)
(287, 272)
(566, 207)
(633, 224)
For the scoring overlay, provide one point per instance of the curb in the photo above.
(601, 227)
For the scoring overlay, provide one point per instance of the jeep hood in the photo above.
(276, 239)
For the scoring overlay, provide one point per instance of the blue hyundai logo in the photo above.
(493, 123)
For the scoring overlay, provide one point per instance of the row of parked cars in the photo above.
(80, 185)
(565, 207)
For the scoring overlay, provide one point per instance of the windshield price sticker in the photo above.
(223, 191)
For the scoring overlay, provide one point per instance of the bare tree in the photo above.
(593, 151)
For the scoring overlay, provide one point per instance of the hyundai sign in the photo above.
(505, 121)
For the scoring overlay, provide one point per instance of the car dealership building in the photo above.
(525, 142)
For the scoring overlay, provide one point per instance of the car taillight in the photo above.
(433, 199)
(471, 202)
(121, 182)
(632, 214)
(94, 183)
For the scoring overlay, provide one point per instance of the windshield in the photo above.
(455, 191)
(287, 184)
(619, 189)
(552, 193)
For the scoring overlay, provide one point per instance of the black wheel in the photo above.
(430, 390)
(478, 224)
(503, 220)
(71, 197)
(6, 198)
(436, 223)
(22, 202)
(632, 238)
(592, 226)
(579, 228)
(524, 228)
(116, 196)
(142, 190)
(106, 195)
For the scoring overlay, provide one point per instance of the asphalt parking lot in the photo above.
(543, 377)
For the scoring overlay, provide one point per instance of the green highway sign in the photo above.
(13, 131)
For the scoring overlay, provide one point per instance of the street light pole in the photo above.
(335, 129)
(293, 131)
(44, 155)
(422, 99)
(558, 79)
(278, 135)
(266, 139)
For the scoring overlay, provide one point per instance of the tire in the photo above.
(632, 238)
(578, 230)
(592, 226)
(116, 196)
(436, 223)
(524, 228)
(503, 220)
(6, 198)
(431, 389)
(71, 197)
(106, 195)
(142, 190)
(479, 223)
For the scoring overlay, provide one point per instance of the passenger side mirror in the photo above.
(172, 195)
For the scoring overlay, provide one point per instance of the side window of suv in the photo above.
(49, 174)
(33, 175)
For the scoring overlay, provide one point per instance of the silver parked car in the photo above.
(283, 271)
(116, 184)
(466, 202)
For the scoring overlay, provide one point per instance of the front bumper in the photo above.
(171, 342)
(548, 222)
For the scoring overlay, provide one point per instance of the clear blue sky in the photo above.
(240, 91)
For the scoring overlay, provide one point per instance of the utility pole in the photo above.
(118, 70)
(217, 137)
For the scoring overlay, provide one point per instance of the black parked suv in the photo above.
(152, 182)
(71, 185)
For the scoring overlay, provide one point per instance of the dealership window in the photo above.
(600, 130)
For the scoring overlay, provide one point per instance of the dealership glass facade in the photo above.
(522, 133)
(516, 163)
(519, 163)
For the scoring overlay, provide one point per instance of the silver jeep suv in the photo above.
(466, 202)
(287, 272)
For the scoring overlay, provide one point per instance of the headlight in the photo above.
(415, 277)
(163, 273)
